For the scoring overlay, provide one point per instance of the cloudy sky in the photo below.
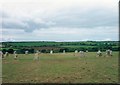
(58, 20)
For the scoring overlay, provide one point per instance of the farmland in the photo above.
(58, 47)
(61, 68)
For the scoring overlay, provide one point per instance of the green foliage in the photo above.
(45, 47)
(10, 51)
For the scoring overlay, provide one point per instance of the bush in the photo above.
(4, 50)
(10, 51)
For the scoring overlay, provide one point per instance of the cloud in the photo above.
(27, 25)
(60, 19)
(67, 34)
(90, 19)
(93, 18)
(64, 14)
(107, 39)
(62, 34)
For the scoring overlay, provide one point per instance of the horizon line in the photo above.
(59, 41)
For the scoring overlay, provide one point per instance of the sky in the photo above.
(59, 20)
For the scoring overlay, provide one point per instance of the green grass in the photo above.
(75, 46)
(61, 68)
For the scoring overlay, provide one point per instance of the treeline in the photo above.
(57, 47)
(43, 43)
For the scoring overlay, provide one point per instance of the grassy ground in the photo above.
(61, 68)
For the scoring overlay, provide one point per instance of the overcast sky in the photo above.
(59, 20)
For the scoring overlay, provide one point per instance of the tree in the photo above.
(43, 51)
(10, 50)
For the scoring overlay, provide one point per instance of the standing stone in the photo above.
(76, 51)
(51, 52)
(63, 51)
(26, 52)
(99, 53)
(15, 55)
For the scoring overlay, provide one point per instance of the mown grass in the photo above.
(61, 68)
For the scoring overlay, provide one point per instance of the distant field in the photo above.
(74, 46)
(61, 68)
(58, 47)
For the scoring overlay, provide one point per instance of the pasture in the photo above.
(60, 68)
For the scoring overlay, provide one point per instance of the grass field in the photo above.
(61, 68)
